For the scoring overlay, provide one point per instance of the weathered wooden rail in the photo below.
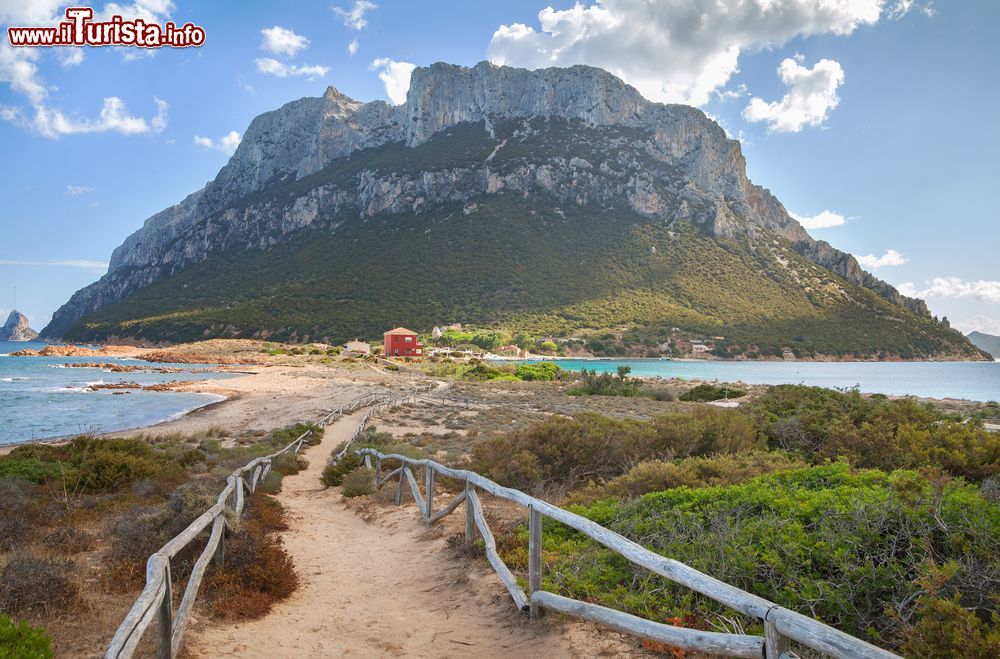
(156, 599)
(781, 626)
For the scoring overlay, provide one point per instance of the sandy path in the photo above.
(381, 588)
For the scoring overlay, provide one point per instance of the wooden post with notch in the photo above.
(534, 557)
(428, 492)
(166, 615)
(399, 487)
(470, 516)
(775, 643)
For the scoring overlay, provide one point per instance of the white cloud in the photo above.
(824, 220)
(352, 48)
(71, 57)
(227, 143)
(114, 118)
(396, 77)
(77, 190)
(275, 68)
(354, 17)
(19, 69)
(812, 93)
(983, 324)
(83, 264)
(955, 287)
(673, 50)
(282, 41)
(891, 257)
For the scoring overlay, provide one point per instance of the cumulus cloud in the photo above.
(19, 69)
(395, 76)
(983, 324)
(891, 257)
(812, 93)
(352, 48)
(354, 17)
(77, 190)
(823, 220)
(673, 50)
(282, 41)
(226, 144)
(275, 68)
(91, 266)
(113, 118)
(955, 287)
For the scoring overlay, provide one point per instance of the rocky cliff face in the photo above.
(17, 329)
(667, 162)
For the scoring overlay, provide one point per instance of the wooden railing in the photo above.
(781, 625)
(156, 599)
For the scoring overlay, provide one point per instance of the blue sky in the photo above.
(876, 117)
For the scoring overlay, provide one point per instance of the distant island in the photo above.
(17, 328)
(986, 342)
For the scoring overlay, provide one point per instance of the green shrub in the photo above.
(839, 545)
(606, 384)
(285, 436)
(333, 473)
(705, 393)
(29, 469)
(481, 371)
(540, 371)
(21, 641)
(698, 471)
(357, 483)
(288, 463)
(270, 484)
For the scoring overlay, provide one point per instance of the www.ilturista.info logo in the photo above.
(79, 29)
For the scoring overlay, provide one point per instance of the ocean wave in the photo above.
(6, 379)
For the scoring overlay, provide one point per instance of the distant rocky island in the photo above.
(17, 329)
(987, 342)
(558, 203)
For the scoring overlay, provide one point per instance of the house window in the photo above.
(409, 339)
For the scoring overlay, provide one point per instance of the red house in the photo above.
(402, 342)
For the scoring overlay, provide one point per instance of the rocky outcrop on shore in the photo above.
(17, 328)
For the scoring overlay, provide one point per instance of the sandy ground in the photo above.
(387, 587)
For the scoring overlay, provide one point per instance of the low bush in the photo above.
(699, 471)
(270, 484)
(284, 437)
(333, 473)
(357, 483)
(69, 540)
(605, 384)
(541, 371)
(36, 584)
(840, 545)
(567, 452)
(288, 463)
(482, 371)
(29, 469)
(705, 393)
(257, 571)
(22, 641)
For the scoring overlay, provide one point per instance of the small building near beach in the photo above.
(358, 347)
(401, 342)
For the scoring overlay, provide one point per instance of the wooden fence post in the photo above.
(165, 651)
(534, 557)
(470, 515)
(378, 472)
(428, 491)
(775, 643)
(220, 550)
(399, 488)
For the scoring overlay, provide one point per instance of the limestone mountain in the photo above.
(557, 201)
(17, 329)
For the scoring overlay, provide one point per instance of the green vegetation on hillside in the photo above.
(877, 516)
(527, 265)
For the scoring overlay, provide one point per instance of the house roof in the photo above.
(399, 330)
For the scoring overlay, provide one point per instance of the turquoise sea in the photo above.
(978, 381)
(40, 399)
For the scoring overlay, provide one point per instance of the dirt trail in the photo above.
(382, 588)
